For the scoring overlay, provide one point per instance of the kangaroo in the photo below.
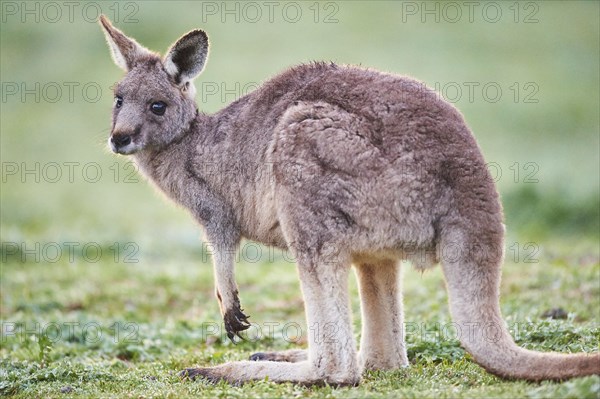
(342, 166)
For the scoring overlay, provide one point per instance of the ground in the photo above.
(127, 329)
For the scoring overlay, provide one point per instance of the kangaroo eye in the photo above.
(158, 108)
(118, 101)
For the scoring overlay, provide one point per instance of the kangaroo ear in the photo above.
(125, 51)
(186, 58)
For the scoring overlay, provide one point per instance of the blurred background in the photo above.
(524, 74)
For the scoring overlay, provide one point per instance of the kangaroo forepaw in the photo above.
(235, 322)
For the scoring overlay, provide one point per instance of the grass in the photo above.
(118, 295)
(125, 330)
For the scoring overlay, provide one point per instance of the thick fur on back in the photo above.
(342, 166)
(381, 163)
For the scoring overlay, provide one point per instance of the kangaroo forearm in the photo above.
(227, 293)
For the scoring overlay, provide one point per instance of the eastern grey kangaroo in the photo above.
(342, 166)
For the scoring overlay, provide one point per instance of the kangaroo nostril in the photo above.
(121, 140)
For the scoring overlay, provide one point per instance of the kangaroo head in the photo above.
(154, 103)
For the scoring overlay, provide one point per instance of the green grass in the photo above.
(145, 309)
(127, 329)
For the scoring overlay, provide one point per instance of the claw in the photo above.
(234, 318)
(204, 373)
(235, 322)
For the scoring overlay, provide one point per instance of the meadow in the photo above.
(107, 288)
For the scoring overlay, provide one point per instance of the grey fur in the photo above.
(340, 165)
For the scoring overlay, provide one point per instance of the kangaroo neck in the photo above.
(168, 167)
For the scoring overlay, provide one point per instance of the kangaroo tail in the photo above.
(472, 275)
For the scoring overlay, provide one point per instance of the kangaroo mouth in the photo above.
(123, 147)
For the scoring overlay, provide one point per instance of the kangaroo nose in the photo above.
(120, 140)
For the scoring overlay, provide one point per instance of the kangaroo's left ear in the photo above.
(186, 58)
(125, 51)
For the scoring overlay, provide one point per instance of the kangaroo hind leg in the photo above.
(290, 356)
(382, 344)
(332, 350)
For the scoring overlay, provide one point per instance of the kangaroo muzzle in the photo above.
(122, 143)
